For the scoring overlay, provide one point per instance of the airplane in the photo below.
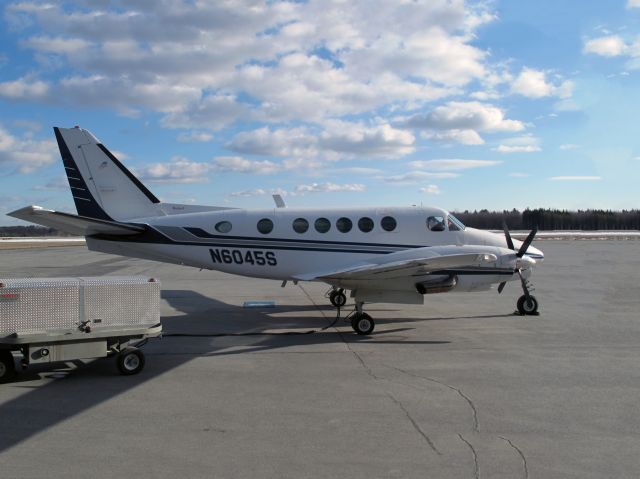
(385, 254)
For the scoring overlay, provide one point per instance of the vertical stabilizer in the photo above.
(101, 186)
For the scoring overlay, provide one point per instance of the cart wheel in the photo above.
(7, 366)
(130, 361)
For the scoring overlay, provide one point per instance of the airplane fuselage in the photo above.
(287, 243)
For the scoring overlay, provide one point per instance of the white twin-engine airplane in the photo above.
(392, 255)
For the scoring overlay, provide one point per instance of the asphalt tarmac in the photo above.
(458, 388)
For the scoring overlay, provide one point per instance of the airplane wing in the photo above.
(74, 224)
(393, 269)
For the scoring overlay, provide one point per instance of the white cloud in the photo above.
(633, 3)
(358, 139)
(575, 178)
(338, 139)
(194, 136)
(249, 193)
(328, 187)
(451, 164)
(208, 64)
(608, 46)
(24, 89)
(417, 176)
(190, 111)
(58, 45)
(461, 122)
(533, 84)
(520, 144)
(283, 142)
(25, 153)
(431, 189)
(241, 165)
(178, 170)
(464, 137)
(569, 146)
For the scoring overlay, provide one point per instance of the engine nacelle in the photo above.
(437, 286)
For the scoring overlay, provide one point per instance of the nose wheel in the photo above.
(527, 305)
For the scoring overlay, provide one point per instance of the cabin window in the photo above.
(300, 225)
(265, 226)
(365, 224)
(322, 225)
(388, 223)
(223, 227)
(435, 223)
(344, 225)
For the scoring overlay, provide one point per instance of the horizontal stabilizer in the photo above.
(73, 224)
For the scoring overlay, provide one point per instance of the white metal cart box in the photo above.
(60, 319)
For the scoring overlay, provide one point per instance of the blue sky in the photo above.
(462, 105)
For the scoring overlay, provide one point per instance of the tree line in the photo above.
(552, 219)
(29, 231)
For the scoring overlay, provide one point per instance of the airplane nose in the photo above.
(535, 253)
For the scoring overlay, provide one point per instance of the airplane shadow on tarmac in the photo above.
(211, 328)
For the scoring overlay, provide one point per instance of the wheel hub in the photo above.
(131, 362)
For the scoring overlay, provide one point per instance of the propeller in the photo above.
(523, 249)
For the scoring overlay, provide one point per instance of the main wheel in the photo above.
(362, 323)
(130, 361)
(338, 298)
(7, 366)
(527, 305)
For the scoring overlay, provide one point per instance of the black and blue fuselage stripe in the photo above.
(299, 244)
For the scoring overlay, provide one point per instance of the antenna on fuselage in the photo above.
(279, 201)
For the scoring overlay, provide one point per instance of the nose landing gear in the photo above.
(527, 303)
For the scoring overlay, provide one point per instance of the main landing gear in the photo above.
(361, 322)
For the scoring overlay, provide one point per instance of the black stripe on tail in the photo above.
(86, 204)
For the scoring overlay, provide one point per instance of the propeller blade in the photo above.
(527, 242)
(501, 286)
(507, 235)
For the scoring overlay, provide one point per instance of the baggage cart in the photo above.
(46, 320)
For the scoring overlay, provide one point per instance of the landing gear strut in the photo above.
(361, 322)
(527, 303)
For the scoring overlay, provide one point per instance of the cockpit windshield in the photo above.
(455, 224)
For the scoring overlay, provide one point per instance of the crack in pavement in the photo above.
(476, 467)
(374, 376)
(520, 453)
(476, 426)
(415, 424)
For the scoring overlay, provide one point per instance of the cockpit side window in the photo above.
(455, 224)
(435, 223)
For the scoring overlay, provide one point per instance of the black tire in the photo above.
(7, 366)
(527, 305)
(130, 361)
(362, 324)
(338, 298)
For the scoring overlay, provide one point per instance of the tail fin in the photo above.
(101, 186)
